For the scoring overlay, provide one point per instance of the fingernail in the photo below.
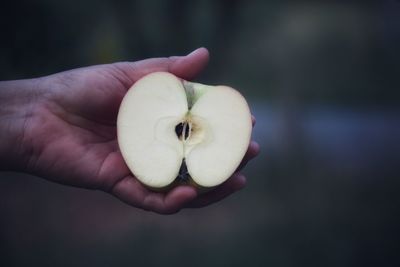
(196, 51)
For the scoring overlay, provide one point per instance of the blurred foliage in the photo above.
(336, 52)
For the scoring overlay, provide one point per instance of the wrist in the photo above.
(18, 100)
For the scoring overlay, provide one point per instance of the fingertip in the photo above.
(254, 148)
(253, 120)
(191, 65)
(239, 181)
(201, 51)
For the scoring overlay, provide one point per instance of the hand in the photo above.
(68, 132)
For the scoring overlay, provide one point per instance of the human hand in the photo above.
(64, 129)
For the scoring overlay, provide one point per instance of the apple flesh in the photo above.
(171, 131)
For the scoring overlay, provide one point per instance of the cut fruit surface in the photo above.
(164, 121)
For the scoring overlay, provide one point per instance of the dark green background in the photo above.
(323, 81)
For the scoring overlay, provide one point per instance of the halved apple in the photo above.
(172, 131)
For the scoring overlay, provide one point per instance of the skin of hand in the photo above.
(62, 127)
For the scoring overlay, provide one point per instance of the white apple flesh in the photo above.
(164, 122)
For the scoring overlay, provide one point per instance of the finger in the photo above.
(170, 203)
(190, 66)
(185, 67)
(235, 183)
(132, 192)
(252, 152)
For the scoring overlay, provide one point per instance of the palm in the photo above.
(77, 126)
(80, 133)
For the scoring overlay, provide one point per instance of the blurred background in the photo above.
(323, 81)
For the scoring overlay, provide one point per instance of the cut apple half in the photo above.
(173, 131)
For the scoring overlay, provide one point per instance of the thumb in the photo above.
(186, 67)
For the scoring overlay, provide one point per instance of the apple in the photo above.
(171, 131)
